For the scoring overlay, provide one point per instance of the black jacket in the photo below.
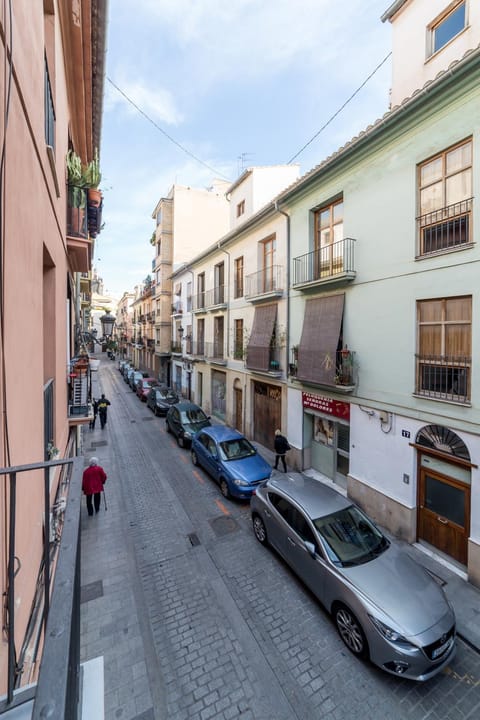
(281, 445)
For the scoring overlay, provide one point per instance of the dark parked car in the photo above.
(160, 399)
(184, 420)
(230, 459)
(386, 606)
(144, 386)
(134, 378)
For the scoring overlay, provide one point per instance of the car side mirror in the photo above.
(310, 547)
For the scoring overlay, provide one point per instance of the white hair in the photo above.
(93, 461)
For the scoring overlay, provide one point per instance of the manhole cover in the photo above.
(223, 525)
(194, 540)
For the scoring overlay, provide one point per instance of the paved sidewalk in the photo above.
(113, 627)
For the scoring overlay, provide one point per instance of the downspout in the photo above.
(287, 279)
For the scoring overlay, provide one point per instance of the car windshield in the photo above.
(166, 393)
(146, 384)
(350, 538)
(192, 416)
(236, 449)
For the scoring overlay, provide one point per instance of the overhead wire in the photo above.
(160, 129)
(340, 108)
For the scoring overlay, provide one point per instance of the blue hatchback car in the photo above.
(230, 459)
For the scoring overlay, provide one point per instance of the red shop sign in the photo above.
(326, 405)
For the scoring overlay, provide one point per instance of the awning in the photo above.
(258, 349)
(317, 351)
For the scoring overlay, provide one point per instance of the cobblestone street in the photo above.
(194, 619)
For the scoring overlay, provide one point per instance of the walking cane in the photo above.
(104, 500)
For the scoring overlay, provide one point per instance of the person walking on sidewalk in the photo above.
(281, 446)
(103, 404)
(93, 480)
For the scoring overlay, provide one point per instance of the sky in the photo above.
(202, 89)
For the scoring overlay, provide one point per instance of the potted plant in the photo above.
(91, 177)
(76, 194)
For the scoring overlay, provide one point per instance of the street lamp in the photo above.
(108, 321)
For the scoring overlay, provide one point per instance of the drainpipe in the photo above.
(287, 280)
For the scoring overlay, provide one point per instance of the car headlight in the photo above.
(239, 481)
(389, 634)
(187, 434)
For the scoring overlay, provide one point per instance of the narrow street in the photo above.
(196, 620)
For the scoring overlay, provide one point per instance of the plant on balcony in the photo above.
(76, 192)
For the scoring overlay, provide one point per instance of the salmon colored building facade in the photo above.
(52, 56)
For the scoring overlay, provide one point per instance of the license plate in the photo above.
(440, 650)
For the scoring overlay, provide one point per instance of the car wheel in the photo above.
(180, 441)
(194, 457)
(259, 529)
(350, 631)
(224, 488)
(169, 430)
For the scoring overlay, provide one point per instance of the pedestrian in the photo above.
(103, 404)
(95, 413)
(93, 480)
(281, 446)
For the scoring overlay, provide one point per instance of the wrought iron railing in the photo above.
(443, 378)
(214, 350)
(327, 262)
(56, 692)
(265, 358)
(445, 228)
(263, 282)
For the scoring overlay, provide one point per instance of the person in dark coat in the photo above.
(93, 480)
(281, 446)
(103, 404)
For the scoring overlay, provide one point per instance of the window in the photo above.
(240, 208)
(200, 337)
(328, 241)
(238, 340)
(446, 27)
(238, 279)
(49, 111)
(201, 291)
(445, 200)
(189, 297)
(219, 290)
(444, 328)
(269, 247)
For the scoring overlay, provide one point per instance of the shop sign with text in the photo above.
(326, 405)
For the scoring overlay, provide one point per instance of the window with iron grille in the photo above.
(443, 361)
(445, 200)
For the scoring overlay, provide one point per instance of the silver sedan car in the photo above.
(385, 605)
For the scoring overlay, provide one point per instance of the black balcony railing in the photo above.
(214, 350)
(57, 600)
(443, 378)
(337, 259)
(334, 371)
(266, 281)
(215, 296)
(445, 228)
(198, 348)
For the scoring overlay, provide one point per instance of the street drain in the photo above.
(193, 537)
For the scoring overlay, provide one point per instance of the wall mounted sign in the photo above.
(326, 405)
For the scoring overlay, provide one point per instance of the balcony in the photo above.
(55, 614)
(265, 284)
(266, 359)
(443, 378)
(214, 352)
(79, 392)
(329, 266)
(177, 310)
(79, 245)
(215, 299)
(198, 348)
(448, 228)
(315, 370)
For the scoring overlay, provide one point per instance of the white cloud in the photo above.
(158, 103)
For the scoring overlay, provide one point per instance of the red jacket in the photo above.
(93, 479)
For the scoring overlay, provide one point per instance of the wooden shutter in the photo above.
(258, 350)
(317, 351)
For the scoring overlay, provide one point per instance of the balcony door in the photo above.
(328, 256)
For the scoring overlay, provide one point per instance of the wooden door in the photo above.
(267, 413)
(444, 513)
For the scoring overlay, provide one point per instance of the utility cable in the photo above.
(340, 109)
(169, 137)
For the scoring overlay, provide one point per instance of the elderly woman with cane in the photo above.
(93, 480)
